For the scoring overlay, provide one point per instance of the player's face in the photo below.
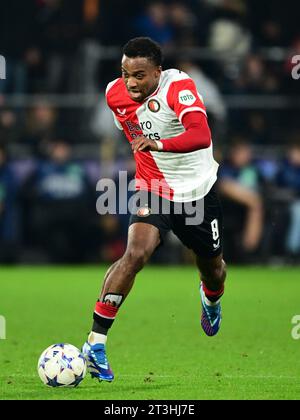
(141, 77)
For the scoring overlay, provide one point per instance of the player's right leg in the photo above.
(143, 239)
(206, 240)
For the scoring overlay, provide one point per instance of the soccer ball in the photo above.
(62, 365)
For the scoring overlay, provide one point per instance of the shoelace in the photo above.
(213, 311)
(100, 356)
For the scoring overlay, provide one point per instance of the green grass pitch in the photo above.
(156, 346)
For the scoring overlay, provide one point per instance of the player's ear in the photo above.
(158, 71)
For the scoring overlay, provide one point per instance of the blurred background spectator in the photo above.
(61, 138)
(9, 213)
(240, 186)
(154, 22)
(60, 25)
(9, 127)
(59, 206)
(214, 103)
(288, 180)
(40, 127)
(18, 39)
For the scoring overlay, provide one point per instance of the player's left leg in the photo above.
(143, 239)
(212, 275)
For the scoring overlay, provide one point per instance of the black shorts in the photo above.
(198, 224)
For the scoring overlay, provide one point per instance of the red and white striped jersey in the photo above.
(180, 177)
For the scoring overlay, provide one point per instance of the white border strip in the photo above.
(193, 108)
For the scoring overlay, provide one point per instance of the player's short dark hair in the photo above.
(144, 47)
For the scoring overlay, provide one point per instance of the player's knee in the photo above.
(136, 258)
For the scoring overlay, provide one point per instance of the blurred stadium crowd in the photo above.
(57, 137)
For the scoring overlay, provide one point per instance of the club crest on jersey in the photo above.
(186, 97)
(144, 212)
(121, 111)
(153, 105)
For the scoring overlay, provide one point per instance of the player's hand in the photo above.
(143, 144)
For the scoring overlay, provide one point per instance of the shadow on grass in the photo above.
(87, 392)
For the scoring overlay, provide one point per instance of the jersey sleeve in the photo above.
(108, 101)
(197, 135)
(183, 97)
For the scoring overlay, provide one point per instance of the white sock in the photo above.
(95, 338)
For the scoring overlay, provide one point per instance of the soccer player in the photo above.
(164, 119)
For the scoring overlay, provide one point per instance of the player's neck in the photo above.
(153, 90)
